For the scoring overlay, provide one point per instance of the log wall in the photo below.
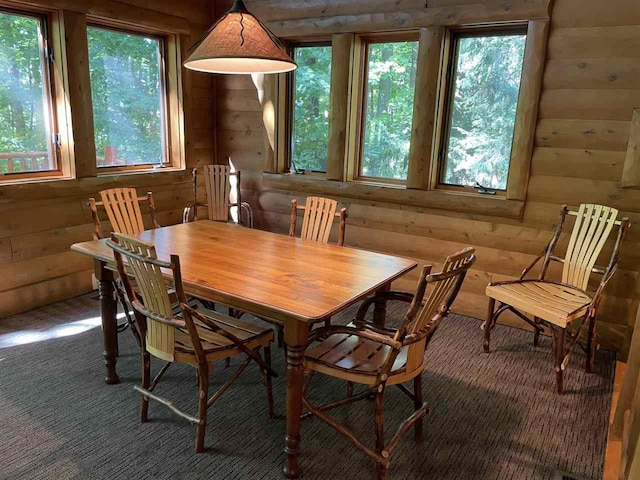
(591, 85)
(39, 221)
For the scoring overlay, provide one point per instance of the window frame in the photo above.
(290, 106)
(359, 83)
(53, 88)
(445, 107)
(167, 42)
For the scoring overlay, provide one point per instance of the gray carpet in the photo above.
(493, 416)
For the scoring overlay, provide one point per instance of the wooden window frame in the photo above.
(536, 32)
(288, 92)
(54, 95)
(171, 89)
(359, 84)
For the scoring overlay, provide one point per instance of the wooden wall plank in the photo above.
(589, 104)
(588, 134)
(604, 73)
(631, 172)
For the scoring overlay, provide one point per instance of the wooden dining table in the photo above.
(284, 279)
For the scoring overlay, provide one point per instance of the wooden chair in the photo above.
(217, 180)
(319, 214)
(567, 302)
(376, 357)
(191, 337)
(122, 207)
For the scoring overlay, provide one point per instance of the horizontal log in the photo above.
(246, 122)
(600, 73)
(588, 104)
(588, 134)
(238, 101)
(587, 13)
(595, 42)
(567, 162)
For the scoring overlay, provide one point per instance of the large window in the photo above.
(27, 128)
(387, 109)
(310, 108)
(486, 69)
(129, 100)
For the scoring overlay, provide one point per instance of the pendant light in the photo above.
(239, 43)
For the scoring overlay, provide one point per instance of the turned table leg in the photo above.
(108, 309)
(296, 335)
(380, 307)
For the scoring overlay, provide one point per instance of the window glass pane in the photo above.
(127, 95)
(25, 121)
(311, 89)
(391, 74)
(483, 110)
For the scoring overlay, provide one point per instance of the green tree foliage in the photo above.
(487, 83)
(312, 86)
(126, 95)
(23, 127)
(389, 109)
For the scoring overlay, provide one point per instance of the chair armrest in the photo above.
(389, 296)
(532, 264)
(187, 212)
(244, 206)
(600, 291)
(358, 332)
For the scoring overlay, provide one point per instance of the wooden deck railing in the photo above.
(16, 162)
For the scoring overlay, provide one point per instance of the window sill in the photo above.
(117, 172)
(474, 203)
(22, 179)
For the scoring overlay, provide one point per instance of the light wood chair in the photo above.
(193, 337)
(559, 305)
(377, 357)
(218, 183)
(122, 208)
(317, 221)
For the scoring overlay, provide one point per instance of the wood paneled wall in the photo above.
(591, 85)
(38, 222)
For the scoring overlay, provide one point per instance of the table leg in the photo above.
(380, 307)
(296, 335)
(108, 310)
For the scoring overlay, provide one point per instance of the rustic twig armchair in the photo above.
(561, 304)
(218, 180)
(122, 207)
(319, 214)
(190, 337)
(376, 357)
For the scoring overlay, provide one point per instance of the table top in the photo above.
(270, 275)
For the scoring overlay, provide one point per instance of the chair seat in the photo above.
(215, 345)
(553, 302)
(356, 359)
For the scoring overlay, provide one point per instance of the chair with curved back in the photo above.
(377, 357)
(218, 182)
(193, 337)
(122, 208)
(317, 221)
(559, 304)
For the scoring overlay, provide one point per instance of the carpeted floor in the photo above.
(493, 416)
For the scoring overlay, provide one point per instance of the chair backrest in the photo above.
(319, 214)
(590, 232)
(122, 206)
(143, 264)
(425, 314)
(218, 180)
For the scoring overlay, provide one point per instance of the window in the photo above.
(486, 69)
(27, 127)
(129, 100)
(310, 92)
(387, 109)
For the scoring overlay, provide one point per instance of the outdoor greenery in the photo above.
(126, 95)
(487, 83)
(310, 129)
(391, 78)
(23, 122)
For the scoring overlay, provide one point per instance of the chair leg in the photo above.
(560, 337)
(536, 332)
(203, 397)
(591, 344)
(488, 325)
(349, 389)
(146, 383)
(381, 469)
(267, 382)
(417, 403)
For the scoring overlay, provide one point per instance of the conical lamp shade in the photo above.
(238, 43)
